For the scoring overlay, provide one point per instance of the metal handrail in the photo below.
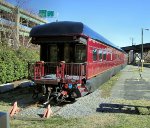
(62, 70)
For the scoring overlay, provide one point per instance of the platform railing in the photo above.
(50, 68)
(62, 70)
(75, 71)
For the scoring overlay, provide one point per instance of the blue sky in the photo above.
(116, 20)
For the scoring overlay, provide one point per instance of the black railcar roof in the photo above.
(64, 28)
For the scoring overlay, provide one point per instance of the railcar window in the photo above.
(53, 53)
(100, 55)
(111, 56)
(44, 53)
(116, 56)
(67, 53)
(94, 54)
(80, 53)
(104, 55)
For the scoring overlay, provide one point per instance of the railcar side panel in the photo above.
(101, 58)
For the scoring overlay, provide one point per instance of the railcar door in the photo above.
(53, 55)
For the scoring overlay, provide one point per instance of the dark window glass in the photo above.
(94, 54)
(53, 53)
(100, 55)
(104, 55)
(111, 58)
(80, 53)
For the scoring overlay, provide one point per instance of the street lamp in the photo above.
(142, 59)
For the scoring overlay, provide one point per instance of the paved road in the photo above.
(132, 85)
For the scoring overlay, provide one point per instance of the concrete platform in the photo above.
(10, 86)
(133, 84)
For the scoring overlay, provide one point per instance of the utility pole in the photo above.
(132, 40)
(142, 59)
(17, 23)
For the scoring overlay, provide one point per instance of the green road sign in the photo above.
(45, 13)
(50, 13)
(42, 13)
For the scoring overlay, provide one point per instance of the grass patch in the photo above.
(99, 120)
(132, 121)
(144, 111)
(107, 86)
(4, 106)
(93, 121)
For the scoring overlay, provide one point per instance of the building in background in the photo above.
(15, 24)
(134, 53)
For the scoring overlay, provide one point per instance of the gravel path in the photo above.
(83, 106)
(132, 85)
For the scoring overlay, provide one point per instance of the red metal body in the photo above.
(113, 58)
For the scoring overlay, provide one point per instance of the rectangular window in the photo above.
(94, 54)
(116, 56)
(67, 53)
(104, 55)
(53, 53)
(100, 55)
(80, 53)
(111, 56)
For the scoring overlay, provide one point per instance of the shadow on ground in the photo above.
(23, 96)
(122, 108)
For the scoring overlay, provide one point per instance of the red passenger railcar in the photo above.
(74, 60)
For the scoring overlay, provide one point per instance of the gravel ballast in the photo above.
(84, 106)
